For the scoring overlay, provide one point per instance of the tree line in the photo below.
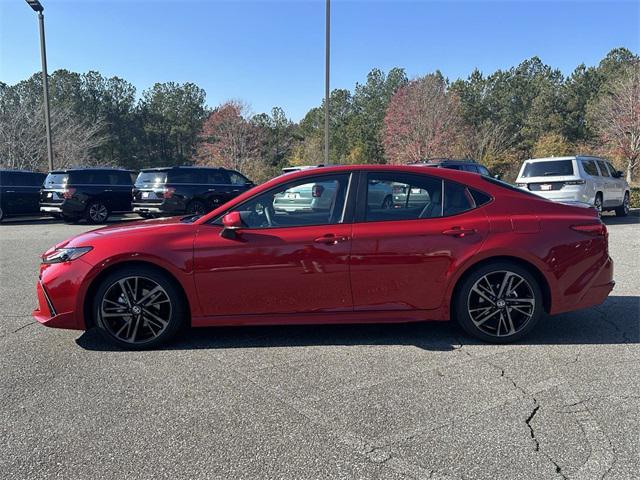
(500, 119)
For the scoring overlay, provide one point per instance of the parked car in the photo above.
(591, 180)
(320, 196)
(191, 190)
(466, 165)
(480, 251)
(89, 193)
(19, 192)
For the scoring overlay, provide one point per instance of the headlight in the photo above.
(65, 254)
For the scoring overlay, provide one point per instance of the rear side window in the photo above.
(123, 178)
(548, 168)
(56, 179)
(590, 168)
(471, 168)
(217, 177)
(186, 176)
(603, 169)
(457, 199)
(479, 198)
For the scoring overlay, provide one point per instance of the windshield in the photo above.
(56, 179)
(151, 179)
(549, 168)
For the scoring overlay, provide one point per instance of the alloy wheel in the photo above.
(135, 310)
(98, 212)
(501, 303)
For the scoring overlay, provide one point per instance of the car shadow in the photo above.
(614, 322)
(631, 219)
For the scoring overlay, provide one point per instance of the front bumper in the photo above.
(60, 293)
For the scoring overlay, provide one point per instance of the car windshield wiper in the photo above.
(190, 218)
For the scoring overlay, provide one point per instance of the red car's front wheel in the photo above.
(500, 302)
(138, 307)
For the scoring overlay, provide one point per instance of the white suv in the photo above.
(589, 180)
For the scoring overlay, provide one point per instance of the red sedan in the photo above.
(356, 244)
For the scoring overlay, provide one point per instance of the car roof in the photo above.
(572, 157)
(182, 167)
(91, 169)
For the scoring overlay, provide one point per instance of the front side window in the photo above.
(590, 168)
(402, 197)
(304, 202)
(603, 169)
(237, 179)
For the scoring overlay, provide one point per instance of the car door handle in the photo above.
(10, 191)
(108, 190)
(331, 239)
(459, 232)
(211, 190)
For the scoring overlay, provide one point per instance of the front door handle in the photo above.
(459, 232)
(331, 239)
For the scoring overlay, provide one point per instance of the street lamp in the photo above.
(327, 34)
(38, 8)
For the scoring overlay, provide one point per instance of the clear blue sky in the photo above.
(272, 52)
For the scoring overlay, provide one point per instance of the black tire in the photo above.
(623, 210)
(196, 207)
(1, 214)
(96, 212)
(387, 202)
(462, 304)
(597, 203)
(176, 316)
(146, 215)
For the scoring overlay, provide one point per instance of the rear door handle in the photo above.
(331, 239)
(10, 191)
(211, 190)
(459, 232)
(108, 190)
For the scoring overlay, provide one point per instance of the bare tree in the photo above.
(23, 143)
(616, 117)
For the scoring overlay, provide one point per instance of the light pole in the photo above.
(327, 58)
(38, 8)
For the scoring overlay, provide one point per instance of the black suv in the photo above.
(180, 190)
(20, 192)
(464, 165)
(89, 193)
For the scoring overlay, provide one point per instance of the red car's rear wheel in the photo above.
(138, 307)
(500, 302)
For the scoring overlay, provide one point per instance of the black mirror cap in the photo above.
(497, 176)
(619, 174)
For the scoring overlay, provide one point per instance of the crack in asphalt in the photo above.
(623, 333)
(18, 329)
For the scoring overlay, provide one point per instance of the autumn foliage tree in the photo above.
(423, 120)
(230, 139)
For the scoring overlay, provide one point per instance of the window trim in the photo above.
(347, 208)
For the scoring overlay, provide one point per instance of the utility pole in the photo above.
(326, 80)
(38, 8)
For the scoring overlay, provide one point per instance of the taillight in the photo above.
(593, 229)
(317, 190)
(574, 182)
(68, 193)
(168, 192)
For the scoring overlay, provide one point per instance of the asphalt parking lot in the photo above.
(396, 401)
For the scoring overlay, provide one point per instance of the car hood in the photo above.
(142, 227)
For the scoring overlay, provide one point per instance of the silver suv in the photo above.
(591, 180)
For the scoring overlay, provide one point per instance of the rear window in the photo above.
(151, 179)
(98, 177)
(56, 179)
(548, 168)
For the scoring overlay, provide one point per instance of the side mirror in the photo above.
(249, 184)
(497, 176)
(232, 221)
(619, 174)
